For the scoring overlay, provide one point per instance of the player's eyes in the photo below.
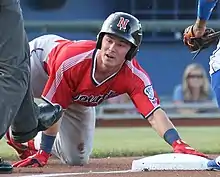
(121, 44)
(109, 40)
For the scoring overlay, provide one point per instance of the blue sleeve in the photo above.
(177, 93)
(205, 8)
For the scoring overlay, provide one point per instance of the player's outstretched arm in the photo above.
(164, 127)
(197, 36)
(204, 12)
(205, 8)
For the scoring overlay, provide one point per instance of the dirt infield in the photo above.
(105, 165)
(55, 168)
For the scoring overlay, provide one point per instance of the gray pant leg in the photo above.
(38, 75)
(74, 142)
(14, 70)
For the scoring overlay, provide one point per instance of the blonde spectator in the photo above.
(195, 87)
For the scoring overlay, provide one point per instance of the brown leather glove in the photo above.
(198, 43)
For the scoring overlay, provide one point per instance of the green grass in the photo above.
(6, 151)
(145, 141)
(142, 141)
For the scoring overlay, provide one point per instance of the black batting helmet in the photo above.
(125, 26)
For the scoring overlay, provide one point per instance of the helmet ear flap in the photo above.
(99, 40)
(131, 53)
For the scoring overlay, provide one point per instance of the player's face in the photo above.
(114, 50)
(195, 79)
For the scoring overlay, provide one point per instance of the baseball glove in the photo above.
(196, 44)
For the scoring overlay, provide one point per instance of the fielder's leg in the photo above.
(215, 80)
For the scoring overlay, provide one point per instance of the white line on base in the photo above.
(82, 173)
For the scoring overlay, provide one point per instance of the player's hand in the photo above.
(192, 31)
(22, 150)
(196, 42)
(180, 146)
(198, 29)
(37, 160)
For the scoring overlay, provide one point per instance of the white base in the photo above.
(170, 161)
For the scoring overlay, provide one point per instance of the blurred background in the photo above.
(162, 54)
(182, 84)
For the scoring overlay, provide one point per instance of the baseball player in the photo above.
(16, 101)
(80, 75)
(198, 30)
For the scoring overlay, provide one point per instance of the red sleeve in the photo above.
(141, 91)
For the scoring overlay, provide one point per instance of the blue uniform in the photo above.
(205, 8)
(204, 11)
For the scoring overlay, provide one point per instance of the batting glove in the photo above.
(22, 150)
(180, 146)
(37, 160)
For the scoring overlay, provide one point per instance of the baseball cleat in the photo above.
(214, 164)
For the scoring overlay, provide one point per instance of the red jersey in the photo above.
(71, 67)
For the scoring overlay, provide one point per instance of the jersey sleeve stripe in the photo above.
(140, 74)
(143, 77)
(66, 65)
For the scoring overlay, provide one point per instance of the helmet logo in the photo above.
(122, 24)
